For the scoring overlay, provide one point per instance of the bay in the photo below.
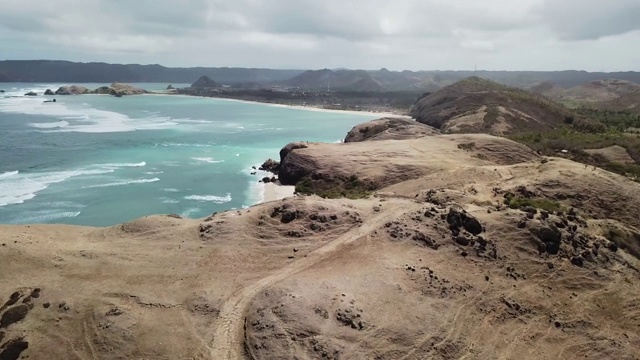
(101, 160)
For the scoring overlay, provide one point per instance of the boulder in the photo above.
(72, 90)
(551, 238)
(170, 87)
(49, 92)
(457, 219)
(31, 93)
(271, 166)
(1, 91)
(266, 179)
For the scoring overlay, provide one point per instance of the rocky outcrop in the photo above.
(119, 89)
(270, 165)
(389, 129)
(49, 92)
(205, 82)
(31, 93)
(290, 147)
(170, 87)
(72, 90)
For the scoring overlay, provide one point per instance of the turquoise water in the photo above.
(100, 160)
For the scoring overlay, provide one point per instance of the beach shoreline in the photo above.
(297, 107)
(273, 192)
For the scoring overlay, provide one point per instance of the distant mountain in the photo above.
(478, 105)
(205, 82)
(74, 72)
(345, 80)
(337, 79)
(601, 90)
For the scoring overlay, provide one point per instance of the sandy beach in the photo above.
(274, 192)
(308, 108)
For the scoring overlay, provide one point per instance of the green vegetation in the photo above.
(351, 188)
(620, 120)
(591, 129)
(517, 202)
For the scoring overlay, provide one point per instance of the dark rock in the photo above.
(522, 224)
(544, 215)
(457, 219)
(549, 234)
(577, 261)
(31, 93)
(273, 179)
(266, 179)
(170, 87)
(46, 305)
(530, 215)
(558, 324)
(464, 254)
(288, 216)
(348, 318)
(13, 315)
(270, 165)
(13, 349)
(612, 246)
(529, 209)
(49, 92)
(426, 240)
(462, 240)
(552, 248)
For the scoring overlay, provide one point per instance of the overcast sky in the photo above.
(594, 35)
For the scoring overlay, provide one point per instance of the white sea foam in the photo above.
(170, 201)
(188, 212)
(184, 145)
(41, 216)
(52, 125)
(18, 187)
(210, 198)
(81, 119)
(209, 160)
(170, 190)
(124, 182)
(154, 172)
(7, 174)
(122, 165)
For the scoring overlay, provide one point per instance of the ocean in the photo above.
(100, 160)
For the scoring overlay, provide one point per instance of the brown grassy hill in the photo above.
(488, 252)
(600, 91)
(476, 105)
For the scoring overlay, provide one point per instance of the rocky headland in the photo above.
(422, 245)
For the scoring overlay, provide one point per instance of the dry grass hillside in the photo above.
(467, 247)
(475, 105)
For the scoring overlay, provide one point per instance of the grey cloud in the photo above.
(591, 19)
(417, 34)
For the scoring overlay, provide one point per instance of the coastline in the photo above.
(297, 107)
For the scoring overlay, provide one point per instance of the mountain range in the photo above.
(337, 79)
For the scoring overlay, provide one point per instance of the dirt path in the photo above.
(228, 337)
